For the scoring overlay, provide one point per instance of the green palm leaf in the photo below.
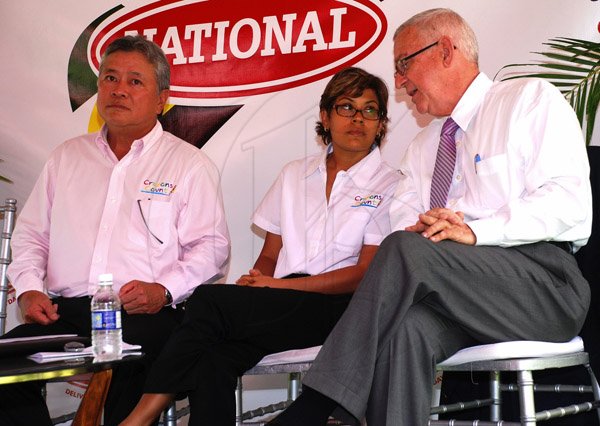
(573, 66)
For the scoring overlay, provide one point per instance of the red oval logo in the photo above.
(221, 49)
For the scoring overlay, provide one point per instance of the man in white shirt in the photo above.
(491, 262)
(132, 200)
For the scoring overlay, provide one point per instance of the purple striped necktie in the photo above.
(444, 165)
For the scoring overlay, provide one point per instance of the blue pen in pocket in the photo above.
(476, 160)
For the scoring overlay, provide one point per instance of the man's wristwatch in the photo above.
(168, 297)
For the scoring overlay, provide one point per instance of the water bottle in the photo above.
(107, 336)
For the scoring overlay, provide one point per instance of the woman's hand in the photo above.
(255, 278)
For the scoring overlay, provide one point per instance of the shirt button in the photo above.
(458, 178)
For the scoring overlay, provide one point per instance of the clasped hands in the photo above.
(255, 278)
(440, 224)
(137, 297)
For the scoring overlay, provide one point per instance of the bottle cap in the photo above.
(105, 278)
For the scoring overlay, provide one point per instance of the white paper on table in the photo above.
(41, 357)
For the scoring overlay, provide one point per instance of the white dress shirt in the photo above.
(522, 173)
(320, 236)
(83, 218)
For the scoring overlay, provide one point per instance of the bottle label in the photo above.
(106, 320)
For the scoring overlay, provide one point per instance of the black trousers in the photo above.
(23, 404)
(227, 329)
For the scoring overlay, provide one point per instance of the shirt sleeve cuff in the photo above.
(28, 283)
(373, 239)
(487, 231)
(263, 223)
(172, 281)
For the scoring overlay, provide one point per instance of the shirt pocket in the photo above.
(492, 178)
(150, 222)
(350, 232)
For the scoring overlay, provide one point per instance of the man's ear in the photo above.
(163, 97)
(447, 50)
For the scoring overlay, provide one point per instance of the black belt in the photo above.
(296, 275)
(564, 245)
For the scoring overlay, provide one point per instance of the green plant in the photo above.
(573, 66)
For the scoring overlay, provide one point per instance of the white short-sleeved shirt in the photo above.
(320, 236)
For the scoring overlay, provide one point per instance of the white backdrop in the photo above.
(270, 129)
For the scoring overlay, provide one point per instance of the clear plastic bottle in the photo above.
(107, 336)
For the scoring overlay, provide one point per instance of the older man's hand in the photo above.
(139, 297)
(444, 224)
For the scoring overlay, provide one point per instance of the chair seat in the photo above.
(292, 361)
(294, 355)
(490, 352)
(511, 350)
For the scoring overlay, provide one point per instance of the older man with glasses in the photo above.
(495, 199)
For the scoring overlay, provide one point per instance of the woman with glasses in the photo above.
(324, 218)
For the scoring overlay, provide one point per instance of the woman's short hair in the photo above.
(352, 82)
(151, 52)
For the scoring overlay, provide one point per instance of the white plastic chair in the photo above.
(294, 363)
(522, 357)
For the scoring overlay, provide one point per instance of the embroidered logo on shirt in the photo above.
(159, 188)
(368, 201)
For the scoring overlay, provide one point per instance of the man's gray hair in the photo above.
(432, 24)
(150, 50)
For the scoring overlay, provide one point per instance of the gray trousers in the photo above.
(420, 302)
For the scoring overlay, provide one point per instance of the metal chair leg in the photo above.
(495, 395)
(525, 382)
(8, 224)
(239, 409)
(595, 387)
(294, 386)
(170, 415)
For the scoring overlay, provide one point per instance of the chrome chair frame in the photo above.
(9, 211)
(524, 368)
(294, 370)
(171, 414)
(568, 355)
